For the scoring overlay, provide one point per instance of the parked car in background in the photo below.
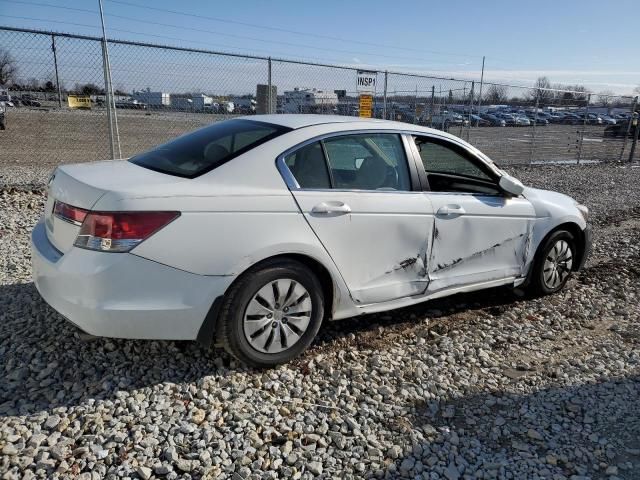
(556, 117)
(620, 129)
(252, 231)
(538, 119)
(493, 120)
(29, 101)
(5, 97)
(3, 119)
(591, 119)
(478, 121)
(509, 119)
(572, 119)
(445, 119)
(131, 104)
(608, 120)
(521, 121)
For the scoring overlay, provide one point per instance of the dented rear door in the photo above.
(378, 240)
(478, 238)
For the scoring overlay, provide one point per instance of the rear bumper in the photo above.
(122, 295)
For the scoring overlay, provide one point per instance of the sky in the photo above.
(571, 42)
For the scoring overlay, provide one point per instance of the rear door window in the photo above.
(201, 151)
(352, 162)
(368, 162)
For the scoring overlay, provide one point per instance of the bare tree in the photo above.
(581, 92)
(606, 97)
(496, 94)
(573, 94)
(8, 68)
(34, 84)
(541, 91)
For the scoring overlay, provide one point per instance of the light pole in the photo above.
(108, 90)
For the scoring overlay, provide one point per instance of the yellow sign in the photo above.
(366, 103)
(79, 101)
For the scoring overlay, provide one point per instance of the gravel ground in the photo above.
(487, 385)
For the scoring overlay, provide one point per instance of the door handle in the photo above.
(326, 208)
(450, 211)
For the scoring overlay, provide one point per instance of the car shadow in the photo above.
(49, 363)
(553, 432)
(494, 301)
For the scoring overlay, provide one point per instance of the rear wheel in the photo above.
(554, 263)
(272, 313)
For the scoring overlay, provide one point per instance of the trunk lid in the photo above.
(82, 185)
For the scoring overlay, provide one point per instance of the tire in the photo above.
(3, 124)
(553, 263)
(250, 314)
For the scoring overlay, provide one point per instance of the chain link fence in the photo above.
(58, 107)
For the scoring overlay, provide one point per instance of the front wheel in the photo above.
(271, 314)
(554, 263)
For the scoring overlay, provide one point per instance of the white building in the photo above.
(152, 99)
(309, 100)
(193, 103)
(246, 104)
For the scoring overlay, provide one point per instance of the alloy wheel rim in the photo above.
(277, 316)
(557, 265)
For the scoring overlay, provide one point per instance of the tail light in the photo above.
(120, 231)
(69, 213)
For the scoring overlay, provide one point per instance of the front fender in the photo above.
(552, 209)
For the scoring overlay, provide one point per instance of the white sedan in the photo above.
(249, 232)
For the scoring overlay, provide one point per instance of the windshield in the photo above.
(201, 151)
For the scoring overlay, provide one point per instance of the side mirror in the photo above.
(511, 185)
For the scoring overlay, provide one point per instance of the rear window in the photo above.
(201, 151)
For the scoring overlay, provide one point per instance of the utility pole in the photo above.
(636, 121)
(55, 66)
(111, 104)
(481, 82)
(628, 129)
(269, 99)
(433, 93)
(384, 98)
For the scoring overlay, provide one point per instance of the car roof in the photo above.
(296, 120)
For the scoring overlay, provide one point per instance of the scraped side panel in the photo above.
(381, 247)
(489, 242)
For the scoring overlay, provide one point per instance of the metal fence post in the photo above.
(471, 93)
(464, 94)
(269, 99)
(108, 101)
(433, 95)
(635, 118)
(584, 128)
(415, 106)
(384, 98)
(533, 132)
(55, 66)
(626, 135)
(481, 82)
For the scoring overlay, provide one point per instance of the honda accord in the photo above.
(250, 232)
